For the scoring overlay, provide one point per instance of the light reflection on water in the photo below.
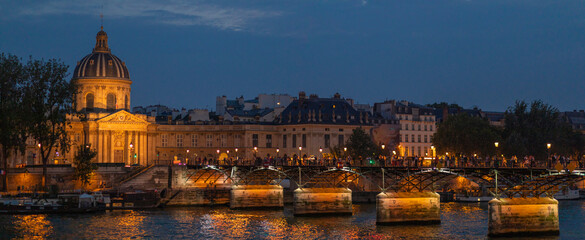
(32, 226)
(458, 221)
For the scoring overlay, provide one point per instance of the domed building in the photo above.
(104, 82)
(104, 96)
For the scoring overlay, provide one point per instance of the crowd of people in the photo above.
(396, 161)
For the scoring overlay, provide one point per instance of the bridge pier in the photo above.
(407, 208)
(317, 201)
(256, 196)
(523, 216)
(200, 197)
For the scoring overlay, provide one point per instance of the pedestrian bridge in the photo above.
(523, 197)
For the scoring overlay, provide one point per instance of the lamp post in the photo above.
(497, 144)
(237, 158)
(384, 154)
(187, 157)
(432, 151)
(131, 147)
(301, 155)
(217, 151)
(345, 153)
(549, 160)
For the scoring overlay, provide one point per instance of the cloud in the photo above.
(174, 12)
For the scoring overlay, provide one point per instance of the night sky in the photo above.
(484, 53)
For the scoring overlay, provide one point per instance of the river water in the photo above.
(458, 221)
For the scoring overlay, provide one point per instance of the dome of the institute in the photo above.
(101, 63)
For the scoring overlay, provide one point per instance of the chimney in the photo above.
(336, 96)
(302, 95)
(169, 119)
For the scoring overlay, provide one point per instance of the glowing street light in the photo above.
(433, 151)
(548, 145)
(496, 160)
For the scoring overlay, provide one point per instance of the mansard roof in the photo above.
(323, 111)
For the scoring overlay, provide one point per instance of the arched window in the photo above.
(126, 106)
(89, 102)
(111, 102)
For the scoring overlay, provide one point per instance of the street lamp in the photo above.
(300, 150)
(548, 145)
(345, 153)
(433, 151)
(497, 144)
(131, 147)
(277, 151)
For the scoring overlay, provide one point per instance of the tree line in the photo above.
(529, 130)
(35, 101)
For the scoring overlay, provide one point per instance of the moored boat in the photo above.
(64, 203)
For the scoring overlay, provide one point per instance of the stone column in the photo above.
(523, 216)
(144, 144)
(100, 147)
(110, 150)
(407, 208)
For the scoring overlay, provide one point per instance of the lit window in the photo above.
(164, 140)
(179, 140)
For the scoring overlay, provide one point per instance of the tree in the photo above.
(442, 105)
(529, 128)
(12, 131)
(360, 144)
(463, 134)
(47, 101)
(84, 168)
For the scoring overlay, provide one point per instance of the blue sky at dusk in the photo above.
(485, 53)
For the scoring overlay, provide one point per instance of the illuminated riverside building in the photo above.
(416, 124)
(306, 126)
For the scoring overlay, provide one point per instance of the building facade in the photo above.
(304, 126)
(416, 123)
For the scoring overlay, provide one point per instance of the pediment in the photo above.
(122, 117)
